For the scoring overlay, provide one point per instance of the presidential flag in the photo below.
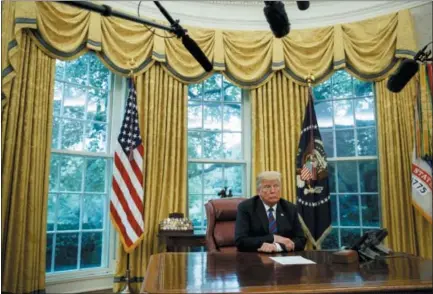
(422, 157)
(313, 199)
(126, 202)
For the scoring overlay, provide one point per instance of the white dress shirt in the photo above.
(274, 213)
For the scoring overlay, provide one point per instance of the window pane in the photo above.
(334, 215)
(54, 173)
(331, 241)
(60, 69)
(370, 210)
(51, 219)
(68, 216)
(331, 177)
(367, 142)
(195, 115)
(349, 236)
(195, 204)
(347, 178)
(212, 114)
(368, 175)
(93, 211)
(55, 133)
(66, 252)
(364, 112)
(328, 142)
(342, 84)
(99, 75)
(91, 250)
(76, 70)
(71, 173)
(194, 145)
(96, 137)
(212, 88)
(72, 135)
(349, 210)
(95, 175)
(194, 91)
(324, 112)
(213, 178)
(231, 92)
(58, 94)
(232, 145)
(97, 105)
(74, 102)
(323, 91)
(212, 145)
(194, 178)
(345, 141)
(49, 253)
(343, 114)
(234, 178)
(362, 88)
(232, 117)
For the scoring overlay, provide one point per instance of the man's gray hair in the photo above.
(267, 175)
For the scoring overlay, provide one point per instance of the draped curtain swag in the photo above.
(368, 49)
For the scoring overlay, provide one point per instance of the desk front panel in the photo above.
(257, 273)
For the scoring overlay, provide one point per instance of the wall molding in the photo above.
(238, 15)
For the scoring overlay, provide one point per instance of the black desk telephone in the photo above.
(369, 246)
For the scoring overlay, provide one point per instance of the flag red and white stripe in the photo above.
(126, 202)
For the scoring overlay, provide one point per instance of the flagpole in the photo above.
(127, 288)
(310, 79)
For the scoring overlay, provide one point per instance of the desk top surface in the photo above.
(257, 273)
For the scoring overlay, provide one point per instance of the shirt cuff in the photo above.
(279, 249)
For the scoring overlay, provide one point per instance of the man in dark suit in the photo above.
(267, 223)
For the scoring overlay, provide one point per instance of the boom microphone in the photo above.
(407, 69)
(277, 18)
(303, 5)
(189, 43)
(195, 51)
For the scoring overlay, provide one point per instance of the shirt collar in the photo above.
(267, 206)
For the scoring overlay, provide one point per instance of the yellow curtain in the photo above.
(408, 231)
(368, 49)
(26, 145)
(277, 111)
(162, 111)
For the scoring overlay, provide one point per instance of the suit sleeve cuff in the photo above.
(279, 249)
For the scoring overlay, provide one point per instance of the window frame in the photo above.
(356, 158)
(98, 277)
(246, 140)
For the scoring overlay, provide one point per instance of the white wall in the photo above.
(423, 23)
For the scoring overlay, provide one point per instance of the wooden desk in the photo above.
(257, 273)
(178, 241)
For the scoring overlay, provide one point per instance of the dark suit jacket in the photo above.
(252, 225)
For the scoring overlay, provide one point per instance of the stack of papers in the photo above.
(292, 260)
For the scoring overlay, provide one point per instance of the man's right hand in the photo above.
(289, 244)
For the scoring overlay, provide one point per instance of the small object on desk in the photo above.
(345, 256)
(176, 222)
(292, 260)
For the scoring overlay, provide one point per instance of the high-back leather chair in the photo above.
(221, 219)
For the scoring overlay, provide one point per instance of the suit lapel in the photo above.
(262, 214)
(281, 219)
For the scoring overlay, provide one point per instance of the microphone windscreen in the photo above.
(198, 54)
(407, 69)
(277, 18)
(303, 5)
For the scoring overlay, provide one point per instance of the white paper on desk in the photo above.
(292, 260)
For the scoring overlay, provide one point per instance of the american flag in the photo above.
(126, 203)
(308, 171)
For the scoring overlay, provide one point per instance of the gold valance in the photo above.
(369, 49)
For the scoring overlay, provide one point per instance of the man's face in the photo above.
(269, 192)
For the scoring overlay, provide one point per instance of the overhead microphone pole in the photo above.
(175, 27)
